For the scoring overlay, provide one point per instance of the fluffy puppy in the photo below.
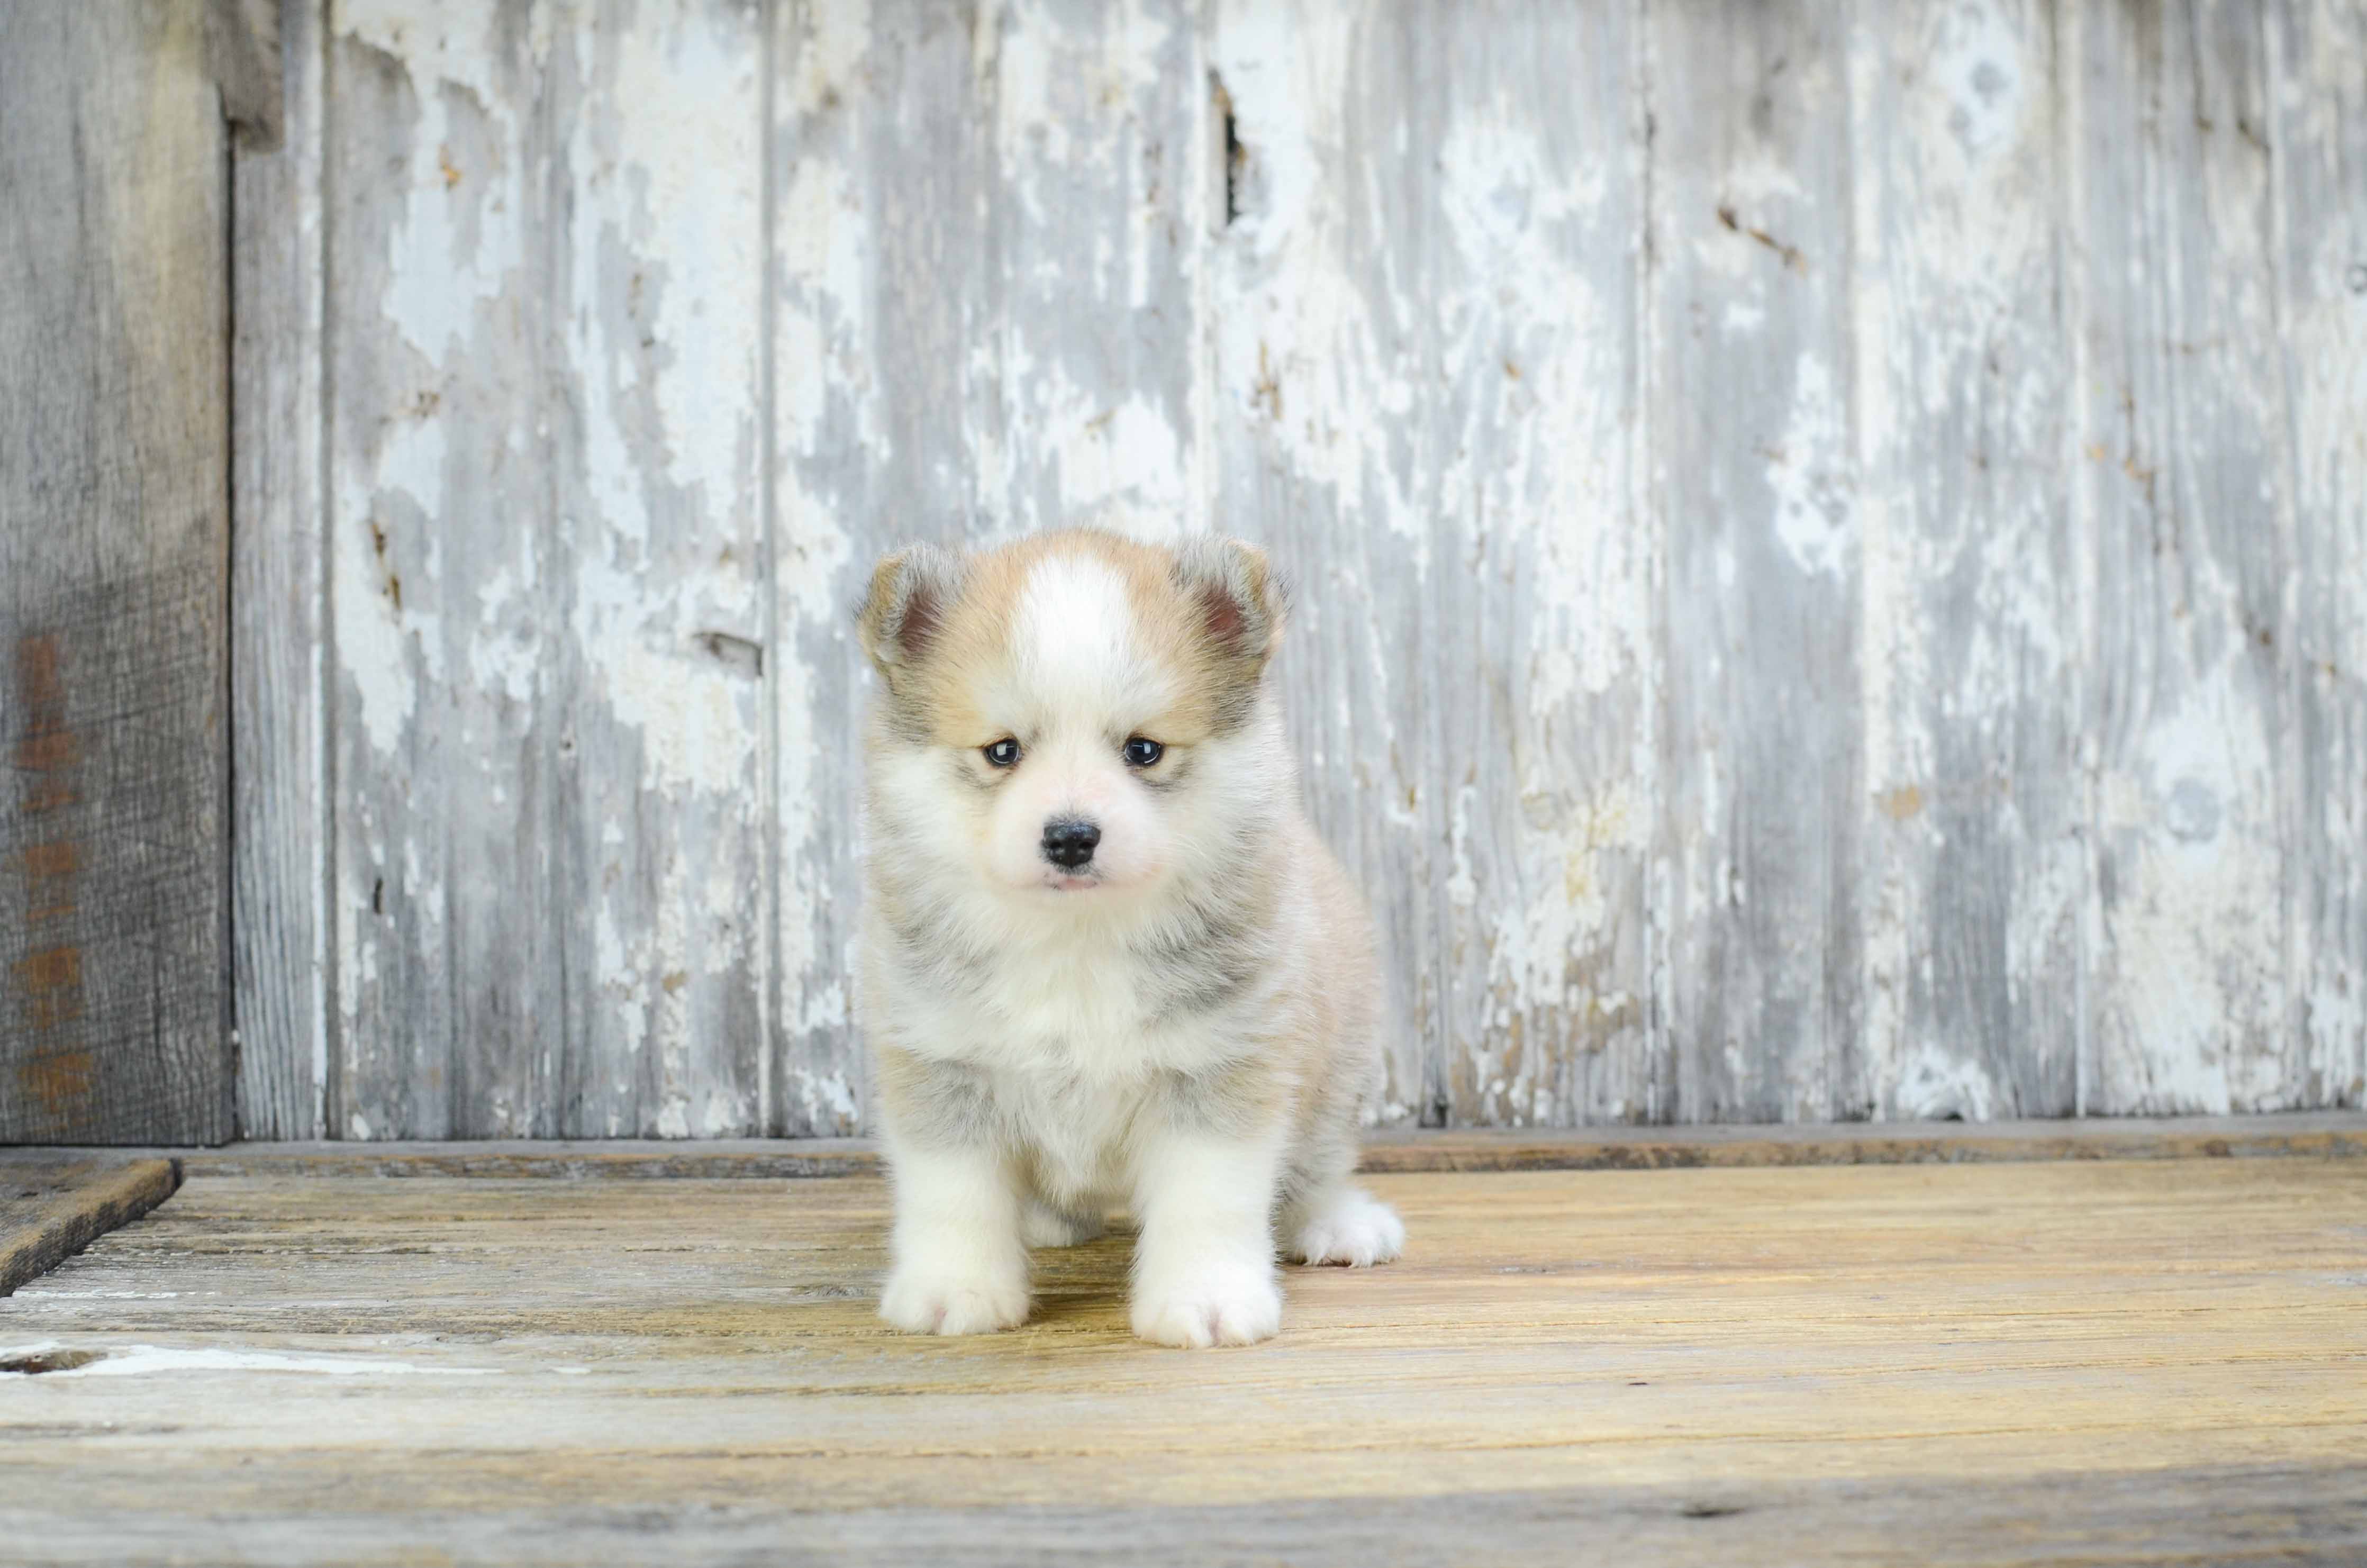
(1106, 958)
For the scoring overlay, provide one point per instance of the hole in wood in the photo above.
(1231, 157)
(32, 1362)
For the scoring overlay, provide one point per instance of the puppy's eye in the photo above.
(1003, 753)
(1140, 753)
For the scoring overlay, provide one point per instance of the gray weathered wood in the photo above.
(1425, 385)
(2320, 134)
(1970, 667)
(113, 533)
(1828, 541)
(547, 557)
(243, 51)
(52, 1206)
(1755, 479)
(2187, 493)
(281, 802)
(985, 237)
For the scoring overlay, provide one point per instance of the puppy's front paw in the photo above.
(1223, 1303)
(926, 1301)
(1347, 1226)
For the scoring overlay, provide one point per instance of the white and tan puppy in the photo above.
(1106, 962)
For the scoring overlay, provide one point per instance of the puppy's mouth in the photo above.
(1074, 884)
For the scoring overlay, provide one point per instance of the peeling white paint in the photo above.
(1811, 470)
(1414, 364)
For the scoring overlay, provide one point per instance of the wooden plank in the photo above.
(1975, 869)
(985, 233)
(281, 803)
(113, 535)
(2318, 140)
(436, 474)
(655, 405)
(1424, 299)
(1404, 1150)
(52, 1206)
(2297, 1515)
(548, 560)
(878, 174)
(2184, 469)
(1994, 1364)
(1757, 490)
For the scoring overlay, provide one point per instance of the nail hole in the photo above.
(739, 653)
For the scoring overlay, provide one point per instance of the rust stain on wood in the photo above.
(59, 1081)
(59, 1074)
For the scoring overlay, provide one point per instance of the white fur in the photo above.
(1059, 1019)
(964, 1268)
(1203, 1268)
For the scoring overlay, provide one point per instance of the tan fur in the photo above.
(1194, 1033)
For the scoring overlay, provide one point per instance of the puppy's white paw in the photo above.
(1045, 1226)
(926, 1301)
(1348, 1226)
(1222, 1303)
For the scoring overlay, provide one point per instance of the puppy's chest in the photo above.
(1091, 1014)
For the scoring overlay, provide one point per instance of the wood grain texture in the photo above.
(1995, 1364)
(548, 560)
(243, 52)
(53, 1206)
(1398, 1150)
(1973, 867)
(2318, 134)
(1756, 484)
(1425, 399)
(282, 804)
(114, 523)
(986, 229)
(2184, 460)
(1828, 542)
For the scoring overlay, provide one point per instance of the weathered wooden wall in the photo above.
(1832, 540)
(114, 527)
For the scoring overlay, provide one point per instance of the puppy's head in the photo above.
(1076, 715)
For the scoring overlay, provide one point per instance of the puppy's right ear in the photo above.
(912, 591)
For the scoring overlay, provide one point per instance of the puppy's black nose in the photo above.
(1069, 843)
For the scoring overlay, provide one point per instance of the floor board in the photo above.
(2089, 1361)
(52, 1204)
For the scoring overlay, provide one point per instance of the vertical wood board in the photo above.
(114, 523)
(2183, 451)
(1971, 665)
(281, 801)
(1423, 300)
(1755, 477)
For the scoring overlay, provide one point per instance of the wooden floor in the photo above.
(2091, 1362)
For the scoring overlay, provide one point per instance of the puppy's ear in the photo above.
(1239, 598)
(912, 591)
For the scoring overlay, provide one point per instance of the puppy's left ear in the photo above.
(1239, 598)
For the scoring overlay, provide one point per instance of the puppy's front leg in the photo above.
(1203, 1268)
(960, 1266)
